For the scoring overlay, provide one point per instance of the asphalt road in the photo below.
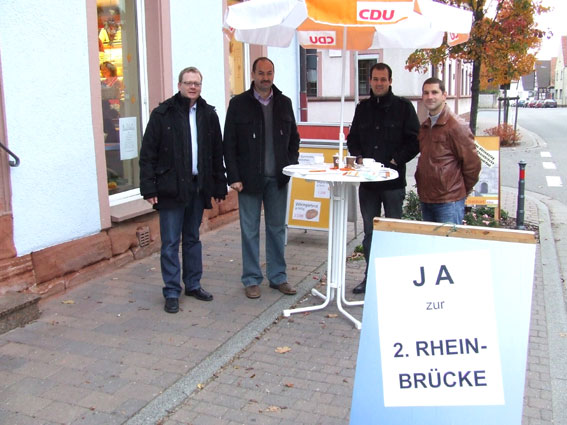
(546, 169)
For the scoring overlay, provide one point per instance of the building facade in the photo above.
(76, 91)
(561, 73)
(323, 78)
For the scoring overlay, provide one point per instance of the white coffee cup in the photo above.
(367, 162)
(377, 165)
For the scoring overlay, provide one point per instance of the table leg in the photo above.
(336, 257)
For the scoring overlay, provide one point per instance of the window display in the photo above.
(120, 88)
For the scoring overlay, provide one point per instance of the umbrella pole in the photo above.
(341, 131)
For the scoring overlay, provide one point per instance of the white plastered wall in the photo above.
(197, 40)
(286, 72)
(45, 67)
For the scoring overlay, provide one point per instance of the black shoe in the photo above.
(200, 294)
(360, 288)
(171, 305)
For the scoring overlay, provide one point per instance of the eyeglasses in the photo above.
(191, 83)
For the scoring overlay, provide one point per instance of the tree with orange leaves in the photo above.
(500, 46)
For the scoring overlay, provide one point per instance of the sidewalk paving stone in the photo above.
(106, 353)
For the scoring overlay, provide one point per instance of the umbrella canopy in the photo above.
(348, 25)
(387, 23)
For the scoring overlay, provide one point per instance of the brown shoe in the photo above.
(252, 291)
(284, 288)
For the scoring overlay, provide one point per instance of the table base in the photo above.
(336, 260)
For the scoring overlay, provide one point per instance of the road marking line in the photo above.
(545, 154)
(549, 165)
(554, 181)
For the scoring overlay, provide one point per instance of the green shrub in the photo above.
(412, 208)
(474, 216)
(484, 216)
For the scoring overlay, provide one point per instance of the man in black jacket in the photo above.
(181, 168)
(384, 128)
(260, 139)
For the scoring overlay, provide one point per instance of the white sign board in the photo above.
(445, 326)
(440, 356)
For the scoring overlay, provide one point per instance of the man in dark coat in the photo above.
(181, 168)
(260, 139)
(384, 128)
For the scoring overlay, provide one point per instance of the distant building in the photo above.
(323, 78)
(560, 74)
(540, 83)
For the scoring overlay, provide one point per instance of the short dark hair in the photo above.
(261, 58)
(434, 80)
(189, 69)
(380, 66)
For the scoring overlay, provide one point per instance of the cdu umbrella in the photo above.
(348, 25)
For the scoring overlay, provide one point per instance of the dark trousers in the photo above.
(181, 224)
(371, 202)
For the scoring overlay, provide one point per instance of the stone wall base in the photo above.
(57, 268)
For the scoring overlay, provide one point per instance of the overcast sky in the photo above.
(554, 20)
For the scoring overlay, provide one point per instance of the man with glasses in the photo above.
(181, 169)
(260, 139)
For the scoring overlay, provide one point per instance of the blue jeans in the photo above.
(181, 224)
(371, 206)
(250, 207)
(447, 212)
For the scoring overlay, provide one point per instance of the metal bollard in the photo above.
(521, 196)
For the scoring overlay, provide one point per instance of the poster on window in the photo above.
(128, 138)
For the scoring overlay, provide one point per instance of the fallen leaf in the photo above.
(563, 334)
(68, 302)
(273, 409)
(332, 315)
(200, 386)
(289, 385)
(282, 350)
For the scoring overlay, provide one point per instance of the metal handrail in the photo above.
(16, 160)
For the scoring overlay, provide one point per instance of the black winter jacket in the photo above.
(385, 128)
(165, 157)
(244, 139)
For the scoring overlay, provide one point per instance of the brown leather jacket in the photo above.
(448, 166)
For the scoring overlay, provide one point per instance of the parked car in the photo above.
(539, 104)
(550, 103)
(531, 103)
(522, 103)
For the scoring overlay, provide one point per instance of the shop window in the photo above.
(120, 91)
(311, 68)
(364, 66)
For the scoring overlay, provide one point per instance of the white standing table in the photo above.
(339, 180)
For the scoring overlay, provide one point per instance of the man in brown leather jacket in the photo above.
(448, 166)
